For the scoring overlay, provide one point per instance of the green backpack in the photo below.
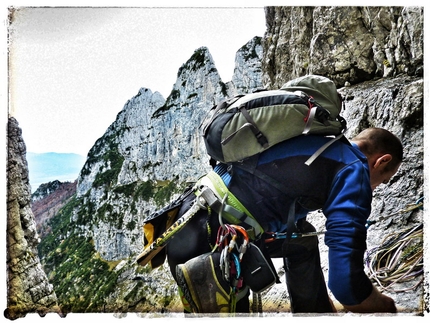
(246, 125)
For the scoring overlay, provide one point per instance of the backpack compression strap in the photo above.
(261, 138)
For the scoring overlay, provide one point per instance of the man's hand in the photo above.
(375, 303)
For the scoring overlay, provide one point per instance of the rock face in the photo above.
(247, 68)
(349, 45)
(28, 286)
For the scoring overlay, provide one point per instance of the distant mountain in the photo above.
(47, 200)
(48, 167)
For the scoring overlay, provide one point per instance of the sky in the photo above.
(71, 70)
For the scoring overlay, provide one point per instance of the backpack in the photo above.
(246, 125)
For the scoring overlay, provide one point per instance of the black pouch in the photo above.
(256, 271)
(158, 222)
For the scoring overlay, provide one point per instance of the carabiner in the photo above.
(241, 230)
(242, 249)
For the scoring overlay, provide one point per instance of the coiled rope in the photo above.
(399, 259)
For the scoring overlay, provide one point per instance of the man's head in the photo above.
(384, 152)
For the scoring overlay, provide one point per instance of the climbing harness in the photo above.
(228, 206)
(233, 241)
(399, 259)
(211, 194)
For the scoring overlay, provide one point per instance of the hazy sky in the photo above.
(73, 69)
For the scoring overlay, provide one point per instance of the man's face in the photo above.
(381, 176)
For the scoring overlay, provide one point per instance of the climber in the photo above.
(340, 183)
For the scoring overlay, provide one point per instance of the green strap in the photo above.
(233, 210)
(232, 302)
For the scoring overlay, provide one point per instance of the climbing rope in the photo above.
(257, 304)
(399, 259)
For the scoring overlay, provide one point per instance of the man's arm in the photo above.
(375, 303)
(347, 211)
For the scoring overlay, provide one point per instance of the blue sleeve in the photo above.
(347, 210)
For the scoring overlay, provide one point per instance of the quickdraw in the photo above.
(419, 204)
(283, 235)
(232, 241)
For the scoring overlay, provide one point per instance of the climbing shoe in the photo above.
(202, 288)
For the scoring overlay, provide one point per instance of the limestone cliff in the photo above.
(349, 45)
(28, 288)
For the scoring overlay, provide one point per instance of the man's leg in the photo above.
(305, 281)
(193, 241)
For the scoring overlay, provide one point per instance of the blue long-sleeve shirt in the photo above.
(336, 182)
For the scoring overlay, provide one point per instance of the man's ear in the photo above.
(382, 161)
